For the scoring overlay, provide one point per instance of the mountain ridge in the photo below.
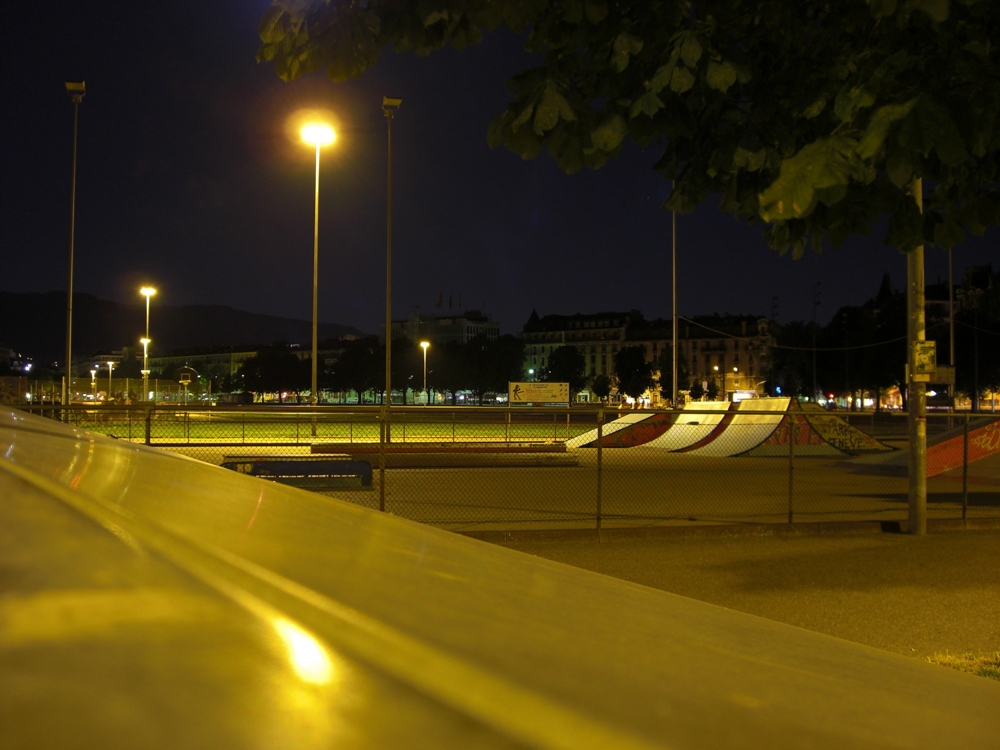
(33, 324)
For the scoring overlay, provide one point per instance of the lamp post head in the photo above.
(424, 345)
(111, 365)
(147, 292)
(317, 134)
(76, 90)
(390, 105)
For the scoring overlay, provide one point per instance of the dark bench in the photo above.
(314, 473)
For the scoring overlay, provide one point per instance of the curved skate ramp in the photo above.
(695, 423)
(739, 432)
(628, 430)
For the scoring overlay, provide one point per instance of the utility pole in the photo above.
(76, 90)
(673, 299)
(916, 391)
(815, 306)
(389, 107)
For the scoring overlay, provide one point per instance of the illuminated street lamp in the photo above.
(389, 107)
(93, 384)
(145, 367)
(317, 135)
(147, 292)
(111, 367)
(424, 345)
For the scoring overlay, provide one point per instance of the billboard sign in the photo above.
(538, 393)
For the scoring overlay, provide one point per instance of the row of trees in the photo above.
(481, 367)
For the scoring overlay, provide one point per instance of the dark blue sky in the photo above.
(188, 180)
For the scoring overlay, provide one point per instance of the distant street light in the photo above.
(111, 367)
(93, 384)
(76, 90)
(424, 345)
(147, 292)
(316, 134)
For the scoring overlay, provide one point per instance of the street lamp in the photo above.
(147, 292)
(111, 367)
(76, 90)
(93, 384)
(424, 345)
(145, 367)
(316, 134)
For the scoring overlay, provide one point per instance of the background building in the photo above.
(443, 329)
(731, 350)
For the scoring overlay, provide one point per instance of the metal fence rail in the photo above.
(499, 468)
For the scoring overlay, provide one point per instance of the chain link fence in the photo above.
(470, 469)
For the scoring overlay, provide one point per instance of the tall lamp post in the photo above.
(389, 107)
(93, 384)
(147, 292)
(316, 134)
(76, 90)
(424, 345)
(111, 367)
(145, 367)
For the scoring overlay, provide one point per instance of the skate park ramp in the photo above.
(755, 427)
(945, 451)
(632, 429)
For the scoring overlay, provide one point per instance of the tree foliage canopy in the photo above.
(811, 116)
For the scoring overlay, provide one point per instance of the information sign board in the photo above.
(538, 393)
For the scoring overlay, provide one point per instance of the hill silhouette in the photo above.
(34, 324)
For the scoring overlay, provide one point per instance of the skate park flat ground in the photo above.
(642, 488)
(913, 595)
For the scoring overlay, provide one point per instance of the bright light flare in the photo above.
(425, 344)
(147, 291)
(318, 134)
(309, 659)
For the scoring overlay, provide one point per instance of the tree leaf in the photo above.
(850, 100)
(720, 75)
(822, 165)
(691, 50)
(881, 8)
(661, 78)
(595, 10)
(936, 10)
(814, 109)
(625, 44)
(649, 104)
(523, 117)
(681, 80)
(751, 161)
(878, 127)
(546, 112)
(930, 126)
(610, 133)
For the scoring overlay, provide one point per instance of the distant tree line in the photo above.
(481, 367)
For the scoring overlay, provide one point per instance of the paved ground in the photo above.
(912, 595)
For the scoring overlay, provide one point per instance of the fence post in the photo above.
(791, 464)
(149, 425)
(600, 463)
(965, 467)
(453, 427)
(381, 461)
(507, 426)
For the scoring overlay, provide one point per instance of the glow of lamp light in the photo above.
(318, 134)
(309, 659)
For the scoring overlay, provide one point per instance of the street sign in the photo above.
(538, 393)
(924, 357)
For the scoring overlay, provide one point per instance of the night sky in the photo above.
(188, 180)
